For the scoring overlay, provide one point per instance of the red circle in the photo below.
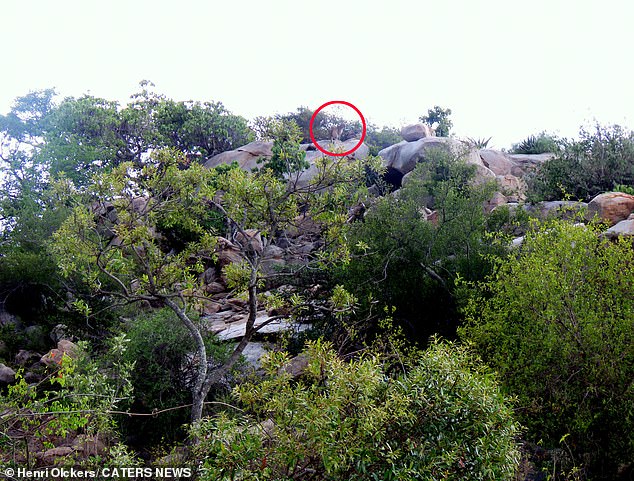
(312, 135)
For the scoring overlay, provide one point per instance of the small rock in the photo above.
(210, 307)
(26, 358)
(214, 288)
(7, 319)
(68, 347)
(7, 375)
(296, 366)
(59, 332)
(50, 456)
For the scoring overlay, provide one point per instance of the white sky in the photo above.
(507, 68)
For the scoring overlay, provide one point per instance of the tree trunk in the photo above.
(198, 393)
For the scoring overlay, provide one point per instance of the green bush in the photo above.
(540, 144)
(402, 259)
(583, 168)
(160, 347)
(377, 139)
(556, 323)
(445, 418)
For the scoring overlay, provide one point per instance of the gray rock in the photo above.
(625, 228)
(404, 156)
(59, 332)
(8, 319)
(26, 358)
(246, 156)
(497, 161)
(414, 132)
(525, 163)
(7, 375)
(237, 329)
(561, 209)
(253, 354)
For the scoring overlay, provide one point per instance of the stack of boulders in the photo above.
(507, 170)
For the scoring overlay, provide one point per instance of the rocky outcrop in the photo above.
(246, 156)
(404, 156)
(525, 163)
(251, 156)
(413, 132)
(560, 209)
(611, 207)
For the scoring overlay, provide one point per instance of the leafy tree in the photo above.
(556, 322)
(583, 168)
(438, 116)
(379, 139)
(287, 157)
(127, 259)
(444, 416)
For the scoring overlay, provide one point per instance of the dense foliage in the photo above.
(539, 144)
(438, 118)
(110, 223)
(556, 322)
(406, 259)
(444, 418)
(595, 163)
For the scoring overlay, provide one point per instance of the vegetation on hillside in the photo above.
(429, 347)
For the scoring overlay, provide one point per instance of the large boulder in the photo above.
(251, 155)
(611, 207)
(513, 187)
(54, 356)
(525, 163)
(560, 209)
(246, 156)
(404, 156)
(414, 132)
(497, 161)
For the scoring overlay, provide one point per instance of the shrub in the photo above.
(377, 139)
(160, 346)
(445, 418)
(556, 323)
(583, 168)
(402, 259)
(540, 144)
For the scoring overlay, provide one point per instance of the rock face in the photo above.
(246, 156)
(611, 207)
(413, 132)
(404, 156)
